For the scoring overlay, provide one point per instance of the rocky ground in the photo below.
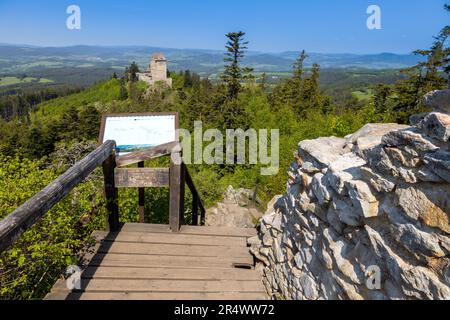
(365, 216)
(237, 209)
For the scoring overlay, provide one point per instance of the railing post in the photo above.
(176, 189)
(202, 216)
(111, 193)
(141, 200)
(194, 209)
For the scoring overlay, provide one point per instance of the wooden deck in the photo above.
(144, 261)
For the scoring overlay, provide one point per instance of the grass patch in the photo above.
(7, 81)
(363, 95)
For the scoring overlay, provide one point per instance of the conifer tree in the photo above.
(89, 122)
(187, 79)
(133, 70)
(423, 77)
(299, 65)
(123, 93)
(263, 84)
(126, 76)
(380, 99)
(233, 74)
(443, 38)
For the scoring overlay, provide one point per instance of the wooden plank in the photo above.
(143, 285)
(180, 250)
(141, 177)
(132, 260)
(174, 238)
(32, 210)
(157, 296)
(176, 193)
(150, 153)
(170, 273)
(195, 230)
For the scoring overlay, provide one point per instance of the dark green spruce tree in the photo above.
(133, 70)
(233, 74)
(381, 96)
(299, 65)
(424, 77)
(123, 93)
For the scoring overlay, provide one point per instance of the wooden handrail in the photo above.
(16, 223)
(25, 216)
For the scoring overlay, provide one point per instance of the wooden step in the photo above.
(131, 260)
(167, 273)
(151, 262)
(173, 249)
(195, 230)
(143, 285)
(65, 295)
(171, 238)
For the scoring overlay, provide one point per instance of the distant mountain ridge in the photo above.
(23, 58)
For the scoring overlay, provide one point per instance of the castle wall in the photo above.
(158, 70)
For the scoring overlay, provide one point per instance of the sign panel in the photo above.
(139, 131)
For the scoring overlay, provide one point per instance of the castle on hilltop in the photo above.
(156, 71)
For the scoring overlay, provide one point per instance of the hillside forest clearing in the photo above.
(8, 81)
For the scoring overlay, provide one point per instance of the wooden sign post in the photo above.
(136, 134)
(140, 137)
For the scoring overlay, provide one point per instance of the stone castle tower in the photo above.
(156, 71)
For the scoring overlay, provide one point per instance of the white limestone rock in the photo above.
(436, 125)
(319, 186)
(377, 182)
(362, 198)
(308, 286)
(344, 209)
(346, 168)
(410, 140)
(370, 136)
(427, 204)
(439, 100)
(322, 151)
(439, 163)
(379, 197)
(417, 241)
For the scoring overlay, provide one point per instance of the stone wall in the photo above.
(375, 204)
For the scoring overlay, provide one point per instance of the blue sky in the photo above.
(327, 26)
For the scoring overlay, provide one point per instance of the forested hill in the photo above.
(16, 59)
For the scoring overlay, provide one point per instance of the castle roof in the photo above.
(158, 56)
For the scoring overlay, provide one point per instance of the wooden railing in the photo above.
(32, 210)
(176, 177)
(25, 216)
(196, 200)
